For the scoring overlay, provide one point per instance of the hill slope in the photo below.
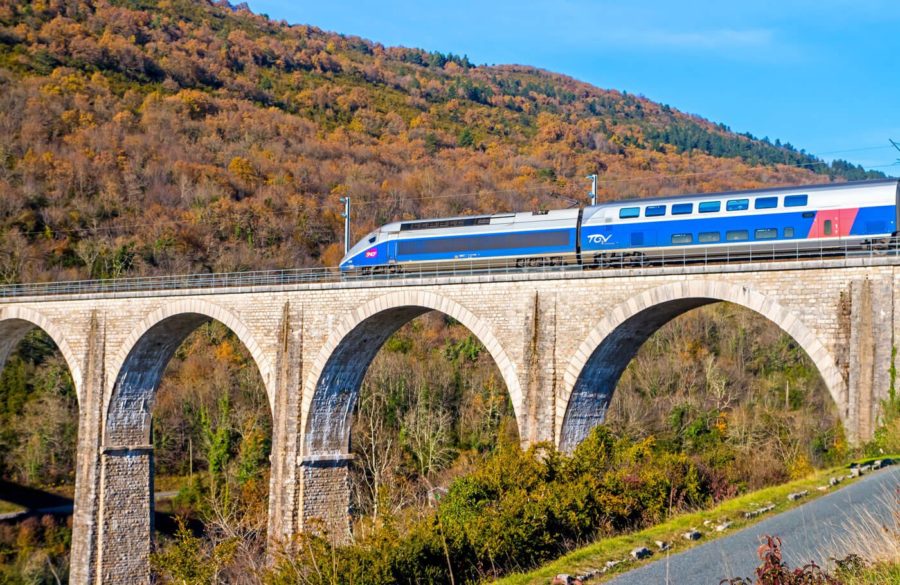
(144, 137)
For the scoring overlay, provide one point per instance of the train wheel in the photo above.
(635, 260)
(879, 247)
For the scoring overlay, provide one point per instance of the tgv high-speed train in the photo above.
(772, 222)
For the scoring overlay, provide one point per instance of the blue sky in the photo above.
(820, 74)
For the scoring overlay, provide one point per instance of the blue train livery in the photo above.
(847, 215)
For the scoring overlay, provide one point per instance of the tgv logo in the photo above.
(599, 238)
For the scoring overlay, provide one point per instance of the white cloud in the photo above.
(724, 38)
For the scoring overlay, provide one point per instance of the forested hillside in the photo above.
(144, 137)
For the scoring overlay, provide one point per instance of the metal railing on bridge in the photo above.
(660, 257)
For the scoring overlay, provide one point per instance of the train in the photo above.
(763, 223)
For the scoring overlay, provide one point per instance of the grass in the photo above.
(7, 507)
(161, 483)
(876, 540)
(169, 483)
(878, 574)
(595, 555)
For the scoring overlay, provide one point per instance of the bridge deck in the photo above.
(319, 279)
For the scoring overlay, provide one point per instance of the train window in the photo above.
(710, 206)
(796, 200)
(809, 214)
(737, 205)
(682, 238)
(789, 232)
(441, 245)
(654, 210)
(709, 237)
(765, 203)
(437, 224)
(628, 212)
(682, 208)
(737, 235)
(827, 227)
(765, 234)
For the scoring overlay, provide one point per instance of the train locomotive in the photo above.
(765, 223)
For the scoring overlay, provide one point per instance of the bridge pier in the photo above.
(126, 514)
(868, 353)
(540, 377)
(286, 482)
(85, 549)
(325, 496)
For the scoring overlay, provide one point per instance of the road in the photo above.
(64, 509)
(814, 531)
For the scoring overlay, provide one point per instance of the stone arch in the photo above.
(126, 455)
(16, 321)
(330, 390)
(593, 372)
(152, 342)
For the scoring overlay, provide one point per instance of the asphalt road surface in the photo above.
(811, 532)
(63, 507)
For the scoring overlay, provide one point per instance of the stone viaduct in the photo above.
(560, 341)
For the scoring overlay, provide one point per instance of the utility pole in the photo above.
(346, 216)
(593, 192)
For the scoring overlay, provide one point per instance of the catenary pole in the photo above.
(346, 216)
(593, 192)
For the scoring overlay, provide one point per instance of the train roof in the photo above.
(749, 192)
(471, 220)
(404, 225)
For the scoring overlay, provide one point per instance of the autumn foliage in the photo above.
(144, 137)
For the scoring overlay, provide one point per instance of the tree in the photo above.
(375, 445)
(465, 139)
(426, 435)
(13, 256)
(217, 443)
(190, 560)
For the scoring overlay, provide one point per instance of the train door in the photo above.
(392, 247)
(827, 224)
(845, 222)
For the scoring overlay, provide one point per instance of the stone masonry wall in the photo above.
(542, 329)
(326, 497)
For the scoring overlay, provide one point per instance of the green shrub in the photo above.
(517, 510)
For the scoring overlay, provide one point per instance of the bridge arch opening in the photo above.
(602, 357)
(39, 428)
(194, 364)
(17, 322)
(335, 385)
